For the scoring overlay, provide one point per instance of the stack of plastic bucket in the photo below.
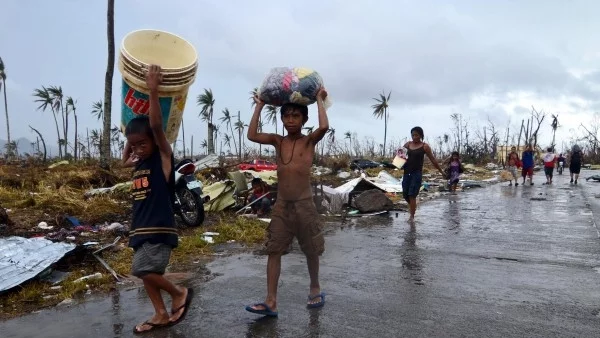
(179, 63)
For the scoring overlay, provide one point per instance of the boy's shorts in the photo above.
(151, 258)
(299, 219)
(548, 171)
(527, 172)
(513, 170)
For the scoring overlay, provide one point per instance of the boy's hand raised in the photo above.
(153, 77)
(258, 101)
(321, 94)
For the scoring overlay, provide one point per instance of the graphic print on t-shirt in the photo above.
(141, 185)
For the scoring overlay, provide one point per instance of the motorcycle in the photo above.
(561, 167)
(189, 203)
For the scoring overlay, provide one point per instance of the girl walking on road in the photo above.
(413, 169)
(453, 170)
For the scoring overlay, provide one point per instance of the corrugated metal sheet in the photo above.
(22, 259)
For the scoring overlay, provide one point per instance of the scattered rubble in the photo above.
(22, 259)
(372, 201)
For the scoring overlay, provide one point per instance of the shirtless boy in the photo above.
(294, 213)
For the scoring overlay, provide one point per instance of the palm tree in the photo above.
(45, 101)
(239, 127)
(57, 101)
(272, 115)
(380, 110)
(204, 145)
(348, 135)
(216, 136)
(554, 125)
(207, 102)
(97, 140)
(97, 110)
(331, 136)
(108, 80)
(253, 93)
(71, 103)
(43, 141)
(3, 78)
(309, 129)
(227, 141)
(227, 120)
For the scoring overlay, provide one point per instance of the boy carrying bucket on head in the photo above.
(153, 234)
(294, 212)
(528, 164)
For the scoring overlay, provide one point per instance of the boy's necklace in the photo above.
(281, 152)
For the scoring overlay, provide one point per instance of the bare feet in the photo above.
(178, 305)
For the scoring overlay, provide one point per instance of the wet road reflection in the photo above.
(411, 259)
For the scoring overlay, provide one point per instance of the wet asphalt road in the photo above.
(488, 262)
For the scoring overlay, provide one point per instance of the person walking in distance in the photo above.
(513, 164)
(294, 213)
(575, 162)
(528, 164)
(413, 169)
(549, 164)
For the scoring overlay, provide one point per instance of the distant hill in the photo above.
(24, 147)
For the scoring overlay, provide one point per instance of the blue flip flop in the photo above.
(316, 305)
(265, 312)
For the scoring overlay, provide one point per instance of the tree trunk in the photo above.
(87, 131)
(232, 136)
(240, 138)
(60, 154)
(211, 139)
(66, 133)
(192, 148)
(6, 112)
(42, 138)
(76, 147)
(108, 79)
(385, 119)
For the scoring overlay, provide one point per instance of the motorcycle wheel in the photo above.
(192, 207)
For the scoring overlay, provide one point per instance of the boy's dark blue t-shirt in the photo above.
(153, 219)
(527, 159)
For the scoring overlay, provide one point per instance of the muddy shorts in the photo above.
(299, 219)
(411, 184)
(151, 258)
(549, 171)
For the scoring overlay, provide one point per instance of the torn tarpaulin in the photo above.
(22, 259)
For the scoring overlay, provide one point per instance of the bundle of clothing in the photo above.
(291, 85)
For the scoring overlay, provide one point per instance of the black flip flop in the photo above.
(185, 307)
(153, 327)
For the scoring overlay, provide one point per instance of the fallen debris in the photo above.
(22, 259)
(372, 201)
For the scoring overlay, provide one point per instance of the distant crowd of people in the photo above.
(552, 162)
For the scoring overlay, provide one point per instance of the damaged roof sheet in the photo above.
(22, 259)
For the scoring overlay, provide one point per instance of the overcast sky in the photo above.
(478, 58)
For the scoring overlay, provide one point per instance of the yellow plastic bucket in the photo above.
(179, 62)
